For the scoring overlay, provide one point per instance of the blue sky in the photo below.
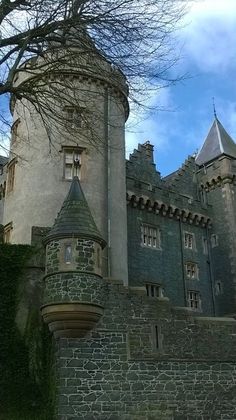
(209, 57)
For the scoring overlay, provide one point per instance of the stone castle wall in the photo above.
(147, 360)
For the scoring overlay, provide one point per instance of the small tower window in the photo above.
(73, 116)
(72, 163)
(68, 253)
(157, 338)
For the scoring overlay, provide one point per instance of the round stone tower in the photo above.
(74, 290)
(87, 139)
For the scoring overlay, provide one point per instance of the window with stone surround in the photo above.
(189, 240)
(150, 236)
(191, 269)
(154, 290)
(72, 162)
(74, 117)
(194, 300)
(7, 233)
(11, 175)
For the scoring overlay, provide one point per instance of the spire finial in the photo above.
(214, 107)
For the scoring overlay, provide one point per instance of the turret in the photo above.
(217, 178)
(74, 288)
(84, 123)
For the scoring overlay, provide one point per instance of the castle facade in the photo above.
(139, 290)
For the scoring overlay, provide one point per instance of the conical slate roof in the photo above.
(75, 218)
(217, 143)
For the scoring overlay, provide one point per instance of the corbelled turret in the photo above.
(74, 289)
(216, 175)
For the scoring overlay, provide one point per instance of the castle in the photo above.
(139, 289)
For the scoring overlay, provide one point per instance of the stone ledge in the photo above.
(220, 320)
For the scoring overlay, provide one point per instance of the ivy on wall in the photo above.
(26, 367)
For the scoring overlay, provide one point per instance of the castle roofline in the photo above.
(75, 219)
(218, 142)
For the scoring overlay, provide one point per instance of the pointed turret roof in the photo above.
(75, 219)
(217, 143)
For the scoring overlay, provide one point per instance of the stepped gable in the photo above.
(217, 143)
(183, 180)
(75, 218)
(141, 166)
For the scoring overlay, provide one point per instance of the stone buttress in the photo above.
(74, 289)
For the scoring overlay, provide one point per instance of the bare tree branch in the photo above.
(46, 38)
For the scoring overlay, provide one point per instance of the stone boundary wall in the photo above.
(147, 360)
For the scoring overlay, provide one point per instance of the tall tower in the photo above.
(45, 155)
(217, 176)
(74, 288)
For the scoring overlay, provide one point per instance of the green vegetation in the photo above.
(26, 379)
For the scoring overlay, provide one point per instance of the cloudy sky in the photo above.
(209, 57)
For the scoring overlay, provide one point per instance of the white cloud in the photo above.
(149, 124)
(210, 35)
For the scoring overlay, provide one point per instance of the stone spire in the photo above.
(217, 143)
(75, 218)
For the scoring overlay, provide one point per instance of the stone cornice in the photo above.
(171, 211)
(211, 183)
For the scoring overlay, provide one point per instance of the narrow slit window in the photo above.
(205, 246)
(157, 344)
(11, 175)
(214, 240)
(98, 258)
(157, 338)
(68, 253)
